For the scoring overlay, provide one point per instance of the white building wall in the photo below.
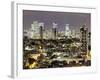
(67, 30)
(35, 30)
(48, 34)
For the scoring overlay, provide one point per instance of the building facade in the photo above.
(67, 31)
(54, 30)
(35, 30)
(84, 39)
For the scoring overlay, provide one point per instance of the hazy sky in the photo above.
(75, 20)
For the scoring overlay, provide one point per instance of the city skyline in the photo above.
(75, 20)
(56, 39)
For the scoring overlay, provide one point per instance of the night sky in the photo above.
(75, 20)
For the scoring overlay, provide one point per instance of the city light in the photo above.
(51, 48)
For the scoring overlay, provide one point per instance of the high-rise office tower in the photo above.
(47, 34)
(34, 31)
(89, 41)
(73, 33)
(41, 26)
(54, 30)
(67, 31)
(84, 39)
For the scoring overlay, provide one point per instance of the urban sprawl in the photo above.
(53, 48)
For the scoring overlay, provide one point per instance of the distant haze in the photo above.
(75, 20)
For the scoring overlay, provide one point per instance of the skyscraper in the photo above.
(89, 41)
(54, 29)
(73, 34)
(47, 34)
(35, 30)
(67, 31)
(84, 39)
(41, 26)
